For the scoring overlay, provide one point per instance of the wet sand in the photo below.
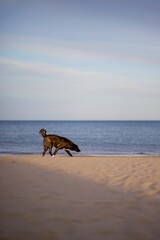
(98, 198)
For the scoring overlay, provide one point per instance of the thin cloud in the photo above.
(80, 51)
(42, 68)
(82, 82)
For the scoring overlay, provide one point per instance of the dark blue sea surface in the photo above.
(92, 137)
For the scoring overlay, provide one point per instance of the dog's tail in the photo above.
(43, 132)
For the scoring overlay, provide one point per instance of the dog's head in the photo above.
(75, 148)
(42, 132)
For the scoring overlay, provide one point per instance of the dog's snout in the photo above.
(78, 150)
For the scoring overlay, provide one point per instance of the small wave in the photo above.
(18, 153)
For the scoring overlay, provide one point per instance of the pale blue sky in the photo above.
(80, 60)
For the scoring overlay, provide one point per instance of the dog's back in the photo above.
(56, 141)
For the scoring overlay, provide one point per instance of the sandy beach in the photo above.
(64, 198)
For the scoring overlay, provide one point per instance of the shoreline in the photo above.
(84, 197)
(90, 155)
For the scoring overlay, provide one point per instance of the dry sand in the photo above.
(79, 198)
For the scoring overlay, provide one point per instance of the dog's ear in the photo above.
(43, 132)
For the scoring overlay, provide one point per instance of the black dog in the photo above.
(58, 142)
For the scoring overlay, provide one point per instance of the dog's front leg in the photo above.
(67, 151)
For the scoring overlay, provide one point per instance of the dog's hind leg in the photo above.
(45, 150)
(50, 151)
(67, 151)
(56, 150)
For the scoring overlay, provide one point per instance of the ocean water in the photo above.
(92, 137)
